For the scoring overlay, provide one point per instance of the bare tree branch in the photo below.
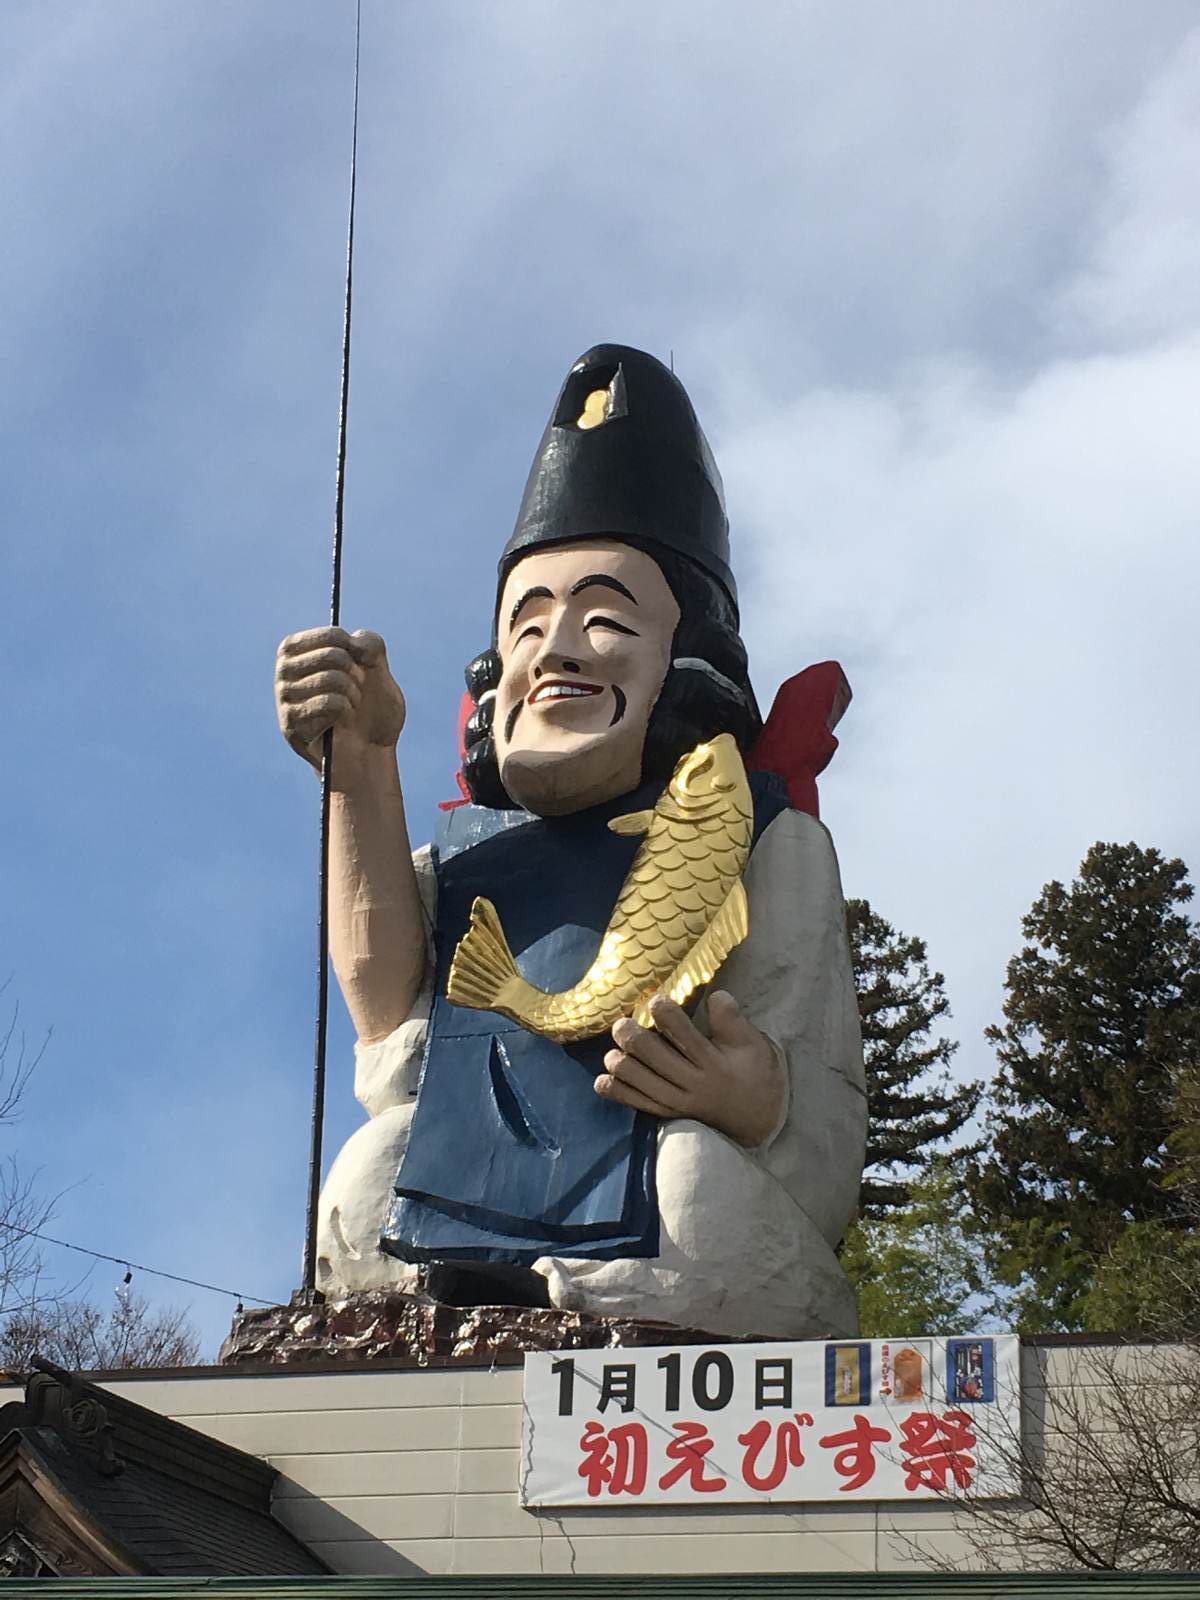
(1109, 1463)
(81, 1336)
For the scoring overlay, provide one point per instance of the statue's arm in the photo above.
(376, 929)
(794, 978)
(327, 678)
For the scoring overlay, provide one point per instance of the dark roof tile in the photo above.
(179, 1503)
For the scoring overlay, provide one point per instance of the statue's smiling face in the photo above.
(584, 633)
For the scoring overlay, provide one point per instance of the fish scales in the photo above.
(680, 911)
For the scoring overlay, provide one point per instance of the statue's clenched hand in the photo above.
(328, 678)
(732, 1081)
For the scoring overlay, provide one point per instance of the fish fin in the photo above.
(633, 822)
(723, 934)
(483, 973)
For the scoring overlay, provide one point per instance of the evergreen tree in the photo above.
(1147, 1286)
(922, 1270)
(1183, 1139)
(1102, 1009)
(1148, 1283)
(912, 1104)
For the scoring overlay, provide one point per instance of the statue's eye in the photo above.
(611, 624)
(530, 632)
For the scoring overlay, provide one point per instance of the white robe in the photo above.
(747, 1236)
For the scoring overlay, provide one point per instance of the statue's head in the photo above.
(615, 645)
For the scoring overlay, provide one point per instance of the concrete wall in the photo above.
(390, 1472)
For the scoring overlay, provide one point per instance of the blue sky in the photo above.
(932, 276)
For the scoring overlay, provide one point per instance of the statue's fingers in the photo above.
(634, 1074)
(610, 1088)
(329, 659)
(322, 686)
(725, 1018)
(310, 721)
(298, 644)
(655, 1052)
(367, 648)
(674, 1024)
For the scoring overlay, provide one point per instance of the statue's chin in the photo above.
(553, 783)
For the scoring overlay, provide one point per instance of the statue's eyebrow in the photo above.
(602, 580)
(539, 592)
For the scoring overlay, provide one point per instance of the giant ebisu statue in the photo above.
(607, 1034)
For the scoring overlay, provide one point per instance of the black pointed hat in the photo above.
(623, 456)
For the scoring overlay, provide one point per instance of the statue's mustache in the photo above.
(510, 721)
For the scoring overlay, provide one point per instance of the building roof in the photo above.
(634, 1586)
(92, 1483)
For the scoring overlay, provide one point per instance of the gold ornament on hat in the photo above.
(596, 409)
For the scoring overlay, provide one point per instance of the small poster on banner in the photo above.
(847, 1374)
(863, 1419)
(906, 1371)
(970, 1379)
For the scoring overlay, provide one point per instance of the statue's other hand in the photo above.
(328, 678)
(732, 1081)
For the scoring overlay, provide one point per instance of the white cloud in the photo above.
(1009, 573)
(1143, 282)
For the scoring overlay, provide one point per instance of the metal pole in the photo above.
(335, 613)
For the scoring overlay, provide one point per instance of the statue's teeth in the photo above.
(560, 691)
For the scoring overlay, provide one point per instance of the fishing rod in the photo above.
(309, 1287)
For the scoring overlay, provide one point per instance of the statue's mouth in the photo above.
(559, 691)
(555, 689)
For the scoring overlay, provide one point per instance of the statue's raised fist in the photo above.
(328, 678)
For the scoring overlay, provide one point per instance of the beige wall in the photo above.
(386, 1471)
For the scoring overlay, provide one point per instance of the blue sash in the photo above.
(512, 1155)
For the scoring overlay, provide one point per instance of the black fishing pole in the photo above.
(335, 613)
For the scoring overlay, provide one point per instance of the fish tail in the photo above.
(483, 974)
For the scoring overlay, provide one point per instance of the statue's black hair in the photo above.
(706, 691)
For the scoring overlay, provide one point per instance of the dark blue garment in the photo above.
(512, 1155)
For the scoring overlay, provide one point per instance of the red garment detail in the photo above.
(797, 741)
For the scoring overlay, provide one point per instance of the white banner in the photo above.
(853, 1419)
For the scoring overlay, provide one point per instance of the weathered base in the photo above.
(377, 1325)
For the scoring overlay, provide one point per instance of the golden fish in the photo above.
(681, 910)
